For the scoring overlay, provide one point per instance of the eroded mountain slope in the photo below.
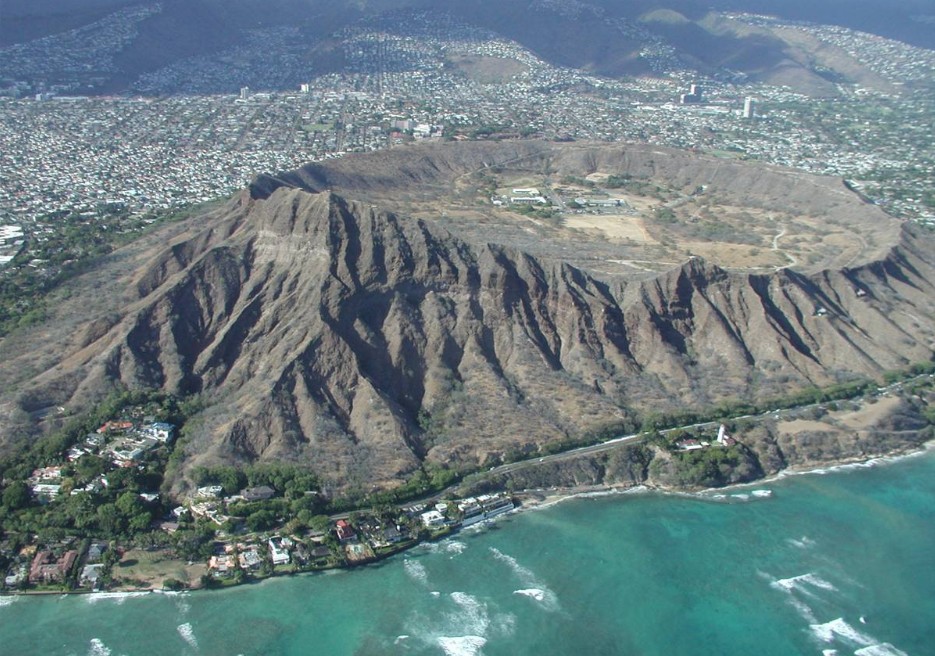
(361, 342)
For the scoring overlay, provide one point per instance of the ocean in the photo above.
(834, 562)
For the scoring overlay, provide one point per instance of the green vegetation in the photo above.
(69, 244)
(715, 466)
(114, 511)
(539, 213)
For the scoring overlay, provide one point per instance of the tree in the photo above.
(320, 523)
(16, 496)
(89, 467)
(261, 520)
(173, 584)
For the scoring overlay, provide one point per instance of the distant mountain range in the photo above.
(600, 36)
(361, 342)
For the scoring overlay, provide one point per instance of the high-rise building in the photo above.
(693, 97)
(749, 107)
(244, 93)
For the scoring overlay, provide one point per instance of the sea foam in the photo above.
(803, 542)
(799, 583)
(468, 645)
(454, 547)
(416, 571)
(188, 634)
(802, 585)
(472, 616)
(885, 649)
(118, 597)
(535, 593)
(529, 580)
(839, 629)
(98, 648)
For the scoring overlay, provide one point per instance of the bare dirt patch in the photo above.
(802, 426)
(869, 414)
(613, 226)
(488, 70)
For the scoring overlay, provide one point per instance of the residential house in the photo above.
(91, 575)
(277, 552)
(259, 493)
(344, 531)
(160, 431)
(46, 568)
(250, 559)
(432, 518)
(320, 552)
(391, 535)
(96, 551)
(209, 492)
(222, 565)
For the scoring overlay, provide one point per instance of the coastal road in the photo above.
(634, 438)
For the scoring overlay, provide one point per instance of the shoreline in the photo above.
(541, 499)
(527, 500)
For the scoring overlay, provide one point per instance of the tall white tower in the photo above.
(749, 107)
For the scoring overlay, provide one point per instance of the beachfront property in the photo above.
(46, 568)
(222, 565)
(344, 531)
(91, 576)
(250, 558)
(432, 518)
(278, 551)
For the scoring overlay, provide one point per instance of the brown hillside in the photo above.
(360, 341)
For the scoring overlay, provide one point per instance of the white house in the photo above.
(432, 518)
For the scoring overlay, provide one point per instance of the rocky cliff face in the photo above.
(359, 342)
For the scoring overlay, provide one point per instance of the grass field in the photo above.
(148, 569)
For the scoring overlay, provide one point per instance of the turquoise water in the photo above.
(640, 574)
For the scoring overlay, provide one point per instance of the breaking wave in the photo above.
(535, 593)
(529, 580)
(188, 634)
(118, 597)
(801, 543)
(839, 630)
(469, 645)
(800, 582)
(416, 571)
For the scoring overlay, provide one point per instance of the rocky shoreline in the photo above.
(539, 499)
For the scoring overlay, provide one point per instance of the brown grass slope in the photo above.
(359, 342)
